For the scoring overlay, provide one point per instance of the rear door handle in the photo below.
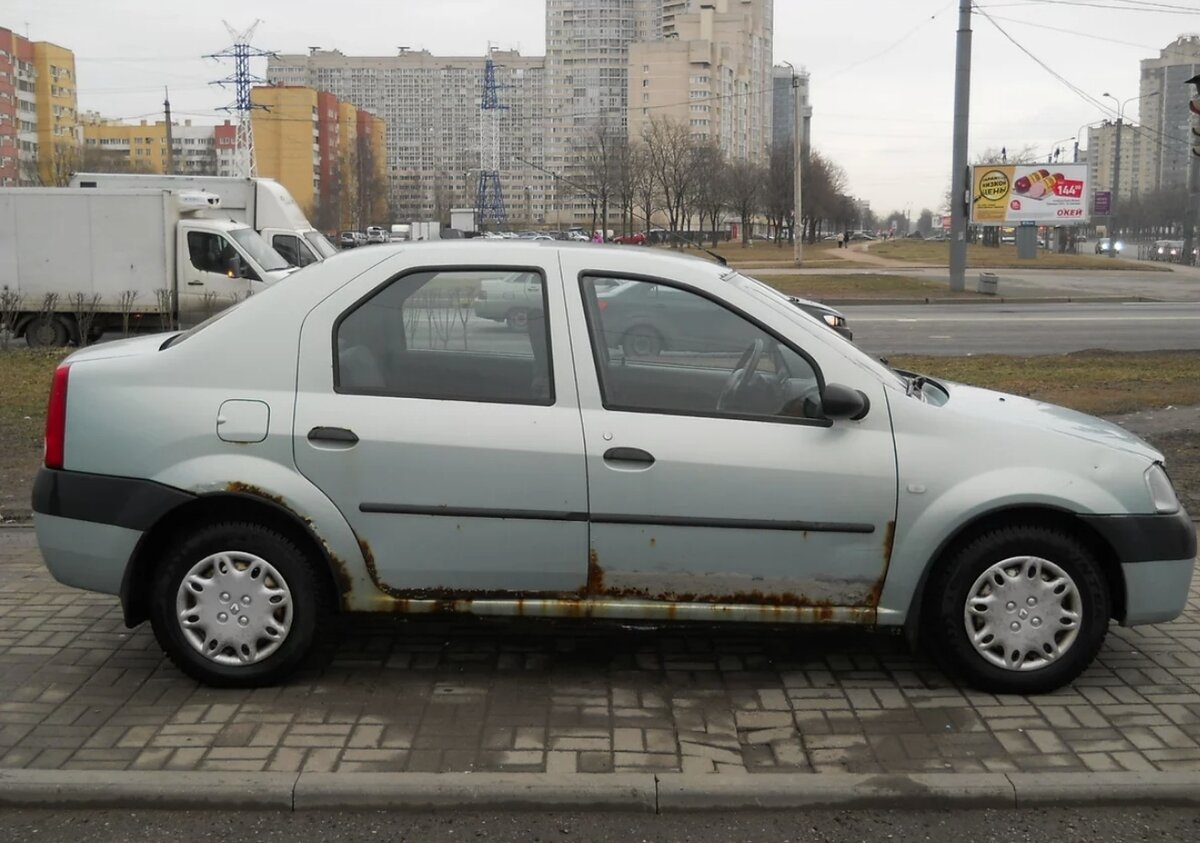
(340, 435)
(635, 455)
(195, 283)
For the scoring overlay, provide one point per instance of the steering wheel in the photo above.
(742, 373)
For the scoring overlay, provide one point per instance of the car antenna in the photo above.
(718, 258)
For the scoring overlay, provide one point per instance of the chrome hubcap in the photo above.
(234, 608)
(1023, 613)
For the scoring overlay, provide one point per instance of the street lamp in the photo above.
(1112, 213)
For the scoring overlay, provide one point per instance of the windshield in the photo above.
(257, 249)
(320, 243)
(784, 304)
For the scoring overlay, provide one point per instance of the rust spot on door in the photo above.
(595, 575)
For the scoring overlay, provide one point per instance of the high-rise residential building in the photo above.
(783, 107)
(1137, 145)
(430, 106)
(18, 111)
(586, 88)
(57, 112)
(329, 154)
(225, 144)
(1163, 110)
(703, 75)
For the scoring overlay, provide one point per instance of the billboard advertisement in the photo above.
(1046, 194)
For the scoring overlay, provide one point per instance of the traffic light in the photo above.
(1194, 105)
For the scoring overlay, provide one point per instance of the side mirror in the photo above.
(843, 402)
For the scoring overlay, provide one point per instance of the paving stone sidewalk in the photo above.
(80, 691)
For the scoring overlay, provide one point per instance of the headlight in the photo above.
(830, 320)
(1162, 493)
(1119, 246)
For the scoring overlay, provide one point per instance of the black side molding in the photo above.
(1147, 538)
(119, 501)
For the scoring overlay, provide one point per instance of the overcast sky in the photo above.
(882, 70)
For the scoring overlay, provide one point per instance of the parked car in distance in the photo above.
(747, 465)
(637, 238)
(377, 234)
(348, 239)
(509, 298)
(833, 318)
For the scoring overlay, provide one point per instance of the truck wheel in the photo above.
(517, 319)
(47, 332)
(1019, 610)
(237, 605)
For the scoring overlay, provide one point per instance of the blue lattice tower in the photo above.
(242, 80)
(489, 200)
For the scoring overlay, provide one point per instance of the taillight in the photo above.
(56, 419)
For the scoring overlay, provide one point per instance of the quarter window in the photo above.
(459, 335)
(664, 349)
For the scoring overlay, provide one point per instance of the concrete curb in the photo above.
(631, 792)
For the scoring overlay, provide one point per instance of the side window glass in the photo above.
(664, 349)
(289, 249)
(478, 335)
(211, 252)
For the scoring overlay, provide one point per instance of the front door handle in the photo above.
(195, 283)
(635, 455)
(339, 435)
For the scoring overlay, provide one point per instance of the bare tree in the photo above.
(669, 145)
(84, 307)
(625, 182)
(711, 197)
(746, 182)
(96, 159)
(125, 303)
(10, 301)
(166, 308)
(645, 183)
(371, 195)
(600, 172)
(778, 200)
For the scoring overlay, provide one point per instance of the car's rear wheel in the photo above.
(641, 342)
(1019, 610)
(237, 605)
(517, 319)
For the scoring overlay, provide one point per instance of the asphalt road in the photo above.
(1096, 825)
(1024, 328)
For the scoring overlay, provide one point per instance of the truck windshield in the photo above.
(257, 249)
(320, 243)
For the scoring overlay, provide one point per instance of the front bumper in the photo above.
(1157, 554)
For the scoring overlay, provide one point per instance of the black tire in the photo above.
(517, 319)
(310, 603)
(641, 342)
(946, 630)
(47, 332)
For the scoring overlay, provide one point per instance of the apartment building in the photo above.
(709, 73)
(57, 112)
(1137, 145)
(117, 146)
(1163, 110)
(430, 107)
(330, 155)
(38, 111)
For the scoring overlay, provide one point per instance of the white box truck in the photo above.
(75, 264)
(263, 204)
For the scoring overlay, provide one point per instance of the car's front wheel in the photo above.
(1019, 610)
(237, 605)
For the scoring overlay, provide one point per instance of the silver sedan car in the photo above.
(355, 438)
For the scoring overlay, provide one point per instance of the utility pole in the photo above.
(1189, 229)
(170, 139)
(1116, 197)
(798, 128)
(959, 201)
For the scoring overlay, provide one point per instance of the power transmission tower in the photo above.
(489, 200)
(242, 80)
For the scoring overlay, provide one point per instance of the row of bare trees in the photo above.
(692, 187)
